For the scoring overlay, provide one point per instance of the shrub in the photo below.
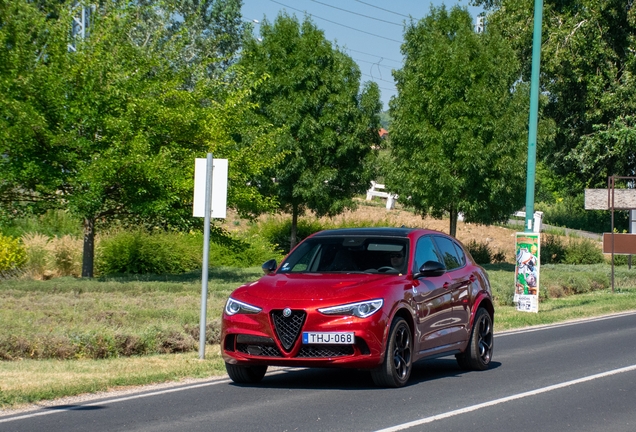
(138, 252)
(570, 212)
(483, 254)
(52, 223)
(480, 251)
(13, 255)
(583, 252)
(278, 232)
(552, 249)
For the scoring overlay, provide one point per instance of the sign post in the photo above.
(210, 200)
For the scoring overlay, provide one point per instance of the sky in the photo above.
(369, 31)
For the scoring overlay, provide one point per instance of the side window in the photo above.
(446, 247)
(424, 251)
(460, 254)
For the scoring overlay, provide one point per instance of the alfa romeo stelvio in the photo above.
(365, 298)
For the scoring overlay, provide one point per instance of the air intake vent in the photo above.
(288, 328)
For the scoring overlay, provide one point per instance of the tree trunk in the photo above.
(89, 248)
(294, 227)
(453, 221)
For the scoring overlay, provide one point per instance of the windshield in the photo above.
(348, 254)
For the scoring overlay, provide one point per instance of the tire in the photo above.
(479, 351)
(245, 374)
(398, 360)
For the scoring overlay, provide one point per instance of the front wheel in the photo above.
(396, 367)
(479, 351)
(245, 374)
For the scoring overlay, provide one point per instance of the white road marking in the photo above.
(506, 399)
(563, 324)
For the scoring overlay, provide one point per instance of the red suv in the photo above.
(367, 298)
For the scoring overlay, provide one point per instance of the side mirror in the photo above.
(430, 268)
(269, 267)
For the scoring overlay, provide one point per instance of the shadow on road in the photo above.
(354, 379)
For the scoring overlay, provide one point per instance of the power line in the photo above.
(356, 13)
(374, 55)
(385, 10)
(333, 22)
(378, 79)
(374, 63)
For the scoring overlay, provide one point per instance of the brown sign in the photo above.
(624, 244)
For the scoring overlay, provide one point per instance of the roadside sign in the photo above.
(527, 252)
(219, 188)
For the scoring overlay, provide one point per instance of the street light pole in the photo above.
(534, 114)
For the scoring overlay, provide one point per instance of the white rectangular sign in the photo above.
(219, 188)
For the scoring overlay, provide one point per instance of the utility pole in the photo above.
(534, 114)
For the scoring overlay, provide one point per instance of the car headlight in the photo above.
(361, 310)
(234, 306)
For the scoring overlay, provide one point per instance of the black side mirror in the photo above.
(269, 267)
(430, 268)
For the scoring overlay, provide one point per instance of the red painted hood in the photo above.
(318, 287)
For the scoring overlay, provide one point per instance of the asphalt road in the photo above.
(579, 377)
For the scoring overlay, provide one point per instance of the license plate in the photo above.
(331, 338)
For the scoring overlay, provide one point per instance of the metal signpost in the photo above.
(210, 200)
(527, 244)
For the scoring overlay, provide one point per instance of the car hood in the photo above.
(317, 287)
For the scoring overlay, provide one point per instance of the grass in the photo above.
(76, 310)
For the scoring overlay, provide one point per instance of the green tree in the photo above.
(588, 72)
(457, 136)
(110, 129)
(313, 91)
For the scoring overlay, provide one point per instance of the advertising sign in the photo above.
(527, 252)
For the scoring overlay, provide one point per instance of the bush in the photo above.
(13, 255)
(583, 252)
(570, 212)
(278, 232)
(483, 254)
(138, 252)
(552, 249)
(52, 223)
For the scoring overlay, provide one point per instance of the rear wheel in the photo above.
(479, 351)
(396, 367)
(245, 374)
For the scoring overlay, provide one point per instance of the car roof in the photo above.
(384, 232)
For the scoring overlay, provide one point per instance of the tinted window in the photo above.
(348, 254)
(424, 251)
(452, 260)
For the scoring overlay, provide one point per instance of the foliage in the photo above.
(109, 129)
(52, 223)
(459, 121)
(552, 249)
(570, 212)
(583, 252)
(313, 91)
(588, 70)
(12, 254)
(482, 253)
(278, 232)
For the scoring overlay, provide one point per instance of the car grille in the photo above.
(326, 351)
(288, 328)
(257, 346)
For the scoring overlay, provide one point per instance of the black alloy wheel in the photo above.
(479, 351)
(396, 367)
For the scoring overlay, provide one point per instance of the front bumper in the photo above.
(251, 339)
